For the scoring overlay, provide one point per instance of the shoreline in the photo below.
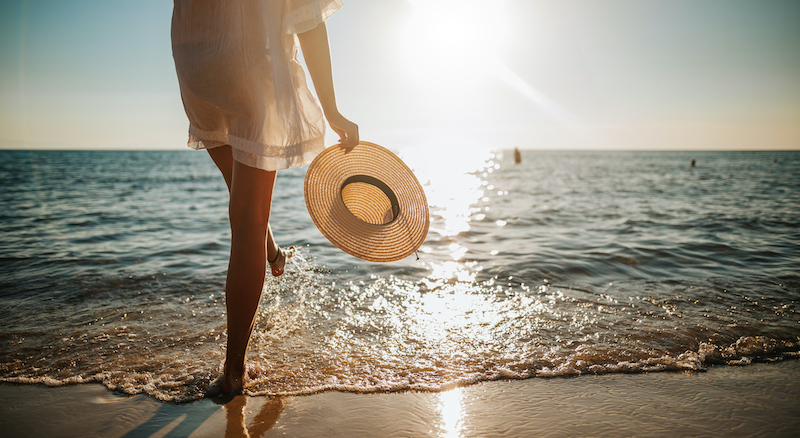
(754, 400)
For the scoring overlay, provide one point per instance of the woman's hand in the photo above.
(347, 130)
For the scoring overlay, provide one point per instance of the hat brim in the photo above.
(336, 167)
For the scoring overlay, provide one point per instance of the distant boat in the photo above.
(517, 156)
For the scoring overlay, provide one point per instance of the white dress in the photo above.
(241, 81)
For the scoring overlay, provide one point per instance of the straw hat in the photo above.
(367, 202)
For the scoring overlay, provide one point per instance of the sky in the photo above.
(533, 74)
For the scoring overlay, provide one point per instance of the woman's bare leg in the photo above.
(250, 202)
(223, 158)
(249, 208)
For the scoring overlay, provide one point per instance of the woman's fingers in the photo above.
(346, 130)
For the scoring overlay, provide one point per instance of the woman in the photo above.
(248, 104)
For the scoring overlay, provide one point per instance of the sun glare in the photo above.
(449, 46)
(453, 40)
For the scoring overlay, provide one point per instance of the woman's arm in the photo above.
(318, 60)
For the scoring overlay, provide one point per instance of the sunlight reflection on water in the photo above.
(450, 408)
(454, 185)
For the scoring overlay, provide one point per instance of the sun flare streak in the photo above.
(516, 82)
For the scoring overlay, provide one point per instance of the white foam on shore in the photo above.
(185, 387)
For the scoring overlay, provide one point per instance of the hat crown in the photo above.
(370, 200)
(367, 202)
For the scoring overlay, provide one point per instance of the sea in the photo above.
(569, 263)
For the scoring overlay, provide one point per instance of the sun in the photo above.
(454, 51)
(449, 40)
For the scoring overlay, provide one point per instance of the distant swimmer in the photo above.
(693, 162)
(517, 156)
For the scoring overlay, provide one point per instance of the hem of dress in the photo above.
(260, 156)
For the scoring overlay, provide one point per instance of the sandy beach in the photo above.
(756, 400)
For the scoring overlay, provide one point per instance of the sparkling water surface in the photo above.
(112, 269)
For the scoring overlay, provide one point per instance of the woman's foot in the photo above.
(279, 262)
(232, 380)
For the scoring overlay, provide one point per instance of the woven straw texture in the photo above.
(370, 228)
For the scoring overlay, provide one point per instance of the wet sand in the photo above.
(756, 400)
